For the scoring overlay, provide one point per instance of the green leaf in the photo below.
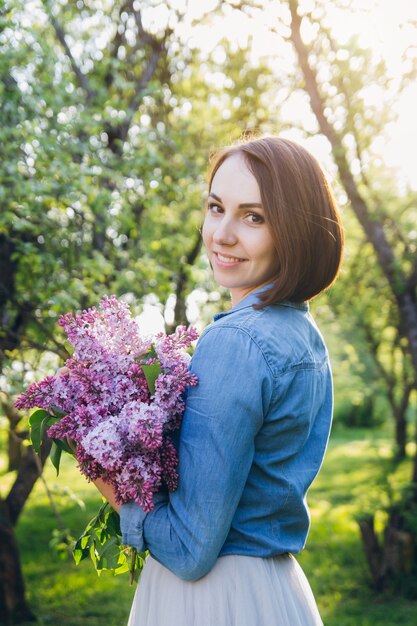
(81, 549)
(102, 542)
(37, 427)
(151, 372)
(38, 416)
(55, 455)
(40, 421)
(64, 446)
(113, 523)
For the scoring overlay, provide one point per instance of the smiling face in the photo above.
(237, 239)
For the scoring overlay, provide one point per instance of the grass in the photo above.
(62, 594)
(58, 591)
(351, 482)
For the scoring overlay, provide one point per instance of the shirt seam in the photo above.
(246, 332)
(300, 306)
(275, 372)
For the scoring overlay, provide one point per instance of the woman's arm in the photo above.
(223, 414)
(107, 491)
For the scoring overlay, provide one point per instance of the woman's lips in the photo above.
(227, 260)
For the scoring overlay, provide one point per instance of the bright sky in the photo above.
(386, 26)
(383, 25)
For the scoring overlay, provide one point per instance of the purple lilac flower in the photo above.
(121, 430)
(37, 394)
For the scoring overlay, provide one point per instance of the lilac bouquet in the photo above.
(118, 399)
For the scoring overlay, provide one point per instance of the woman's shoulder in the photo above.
(285, 334)
(281, 319)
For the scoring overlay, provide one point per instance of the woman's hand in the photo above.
(107, 491)
(61, 371)
(72, 444)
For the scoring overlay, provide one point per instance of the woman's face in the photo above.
(235, 234)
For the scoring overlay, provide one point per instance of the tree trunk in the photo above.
(14, 440)
(400, 436)
(400, 410)
(414, 478)
(13, 606)
(392, 560)
(14, 450)
(180, 316)
(373, 551)
(399, 546)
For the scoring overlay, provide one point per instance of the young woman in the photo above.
(256, 426)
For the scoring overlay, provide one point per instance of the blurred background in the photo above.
(109, 111)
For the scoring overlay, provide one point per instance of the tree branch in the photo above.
(373, 229)
(119, 132)
(60, 34)
(412, 279)
(59, 349)
(180, 309)
(143, 35)
(114, 48)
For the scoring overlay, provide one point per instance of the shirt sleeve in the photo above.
(187, 529)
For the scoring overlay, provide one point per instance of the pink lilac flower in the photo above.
(121, 430)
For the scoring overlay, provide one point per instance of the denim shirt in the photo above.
(252, 440)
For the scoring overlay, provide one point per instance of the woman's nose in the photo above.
(225, 233)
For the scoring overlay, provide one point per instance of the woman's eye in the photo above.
(214, 208)
(255, 218)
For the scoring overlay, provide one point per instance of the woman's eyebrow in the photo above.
(243, 205)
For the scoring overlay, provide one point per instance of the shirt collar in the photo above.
(252, 299)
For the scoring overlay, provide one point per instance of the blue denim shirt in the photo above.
(252, 440)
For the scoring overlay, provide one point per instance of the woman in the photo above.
(256, 426)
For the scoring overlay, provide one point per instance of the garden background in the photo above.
(109, 110)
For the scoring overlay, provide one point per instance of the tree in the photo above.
(103, 156)
(394, 250)
(368, 322)
(337, 80)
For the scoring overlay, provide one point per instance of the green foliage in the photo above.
(151, 368)
(39, 422)
(358, 414)
(101, 190)
(151, 372)
(371, 362)
(104, 175)
(348, 483)
(102, 542)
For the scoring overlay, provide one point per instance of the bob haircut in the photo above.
(301, 213)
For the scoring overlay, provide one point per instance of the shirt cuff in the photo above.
(132, 518)
(131, 525)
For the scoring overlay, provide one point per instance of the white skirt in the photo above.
(238, 591)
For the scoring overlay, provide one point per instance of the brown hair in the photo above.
(301, 213)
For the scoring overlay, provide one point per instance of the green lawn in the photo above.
(333, 560)
(62, 594)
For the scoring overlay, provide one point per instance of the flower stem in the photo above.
(134, 554)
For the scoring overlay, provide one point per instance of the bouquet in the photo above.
(119, 399)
